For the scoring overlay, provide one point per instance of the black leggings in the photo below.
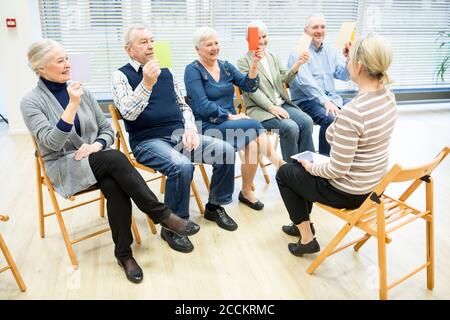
(119, 181)
(299, 189)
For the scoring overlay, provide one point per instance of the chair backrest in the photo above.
(286, 88)
(399, 174)
(121, 142)
(41, 174)
(241, 108)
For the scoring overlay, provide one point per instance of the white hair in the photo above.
(127, 36)
(310, 17)
(38, 53)
(203, 33)
(259, 24)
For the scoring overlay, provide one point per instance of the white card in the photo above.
(303, 44)
(345, 34)
(79, 67)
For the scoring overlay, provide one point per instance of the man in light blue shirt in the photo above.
(313, 88)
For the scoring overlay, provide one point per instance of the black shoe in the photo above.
(258, 205)
(292, 230)
(186, 228)
(132, 270)
(177, 242)
(298, 249)
(222, 219)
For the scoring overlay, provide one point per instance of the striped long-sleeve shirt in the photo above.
(359, 139)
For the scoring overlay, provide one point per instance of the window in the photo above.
(96, 27)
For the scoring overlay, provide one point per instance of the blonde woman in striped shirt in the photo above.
(359, 139)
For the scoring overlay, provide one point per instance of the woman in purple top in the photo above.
(209, 85)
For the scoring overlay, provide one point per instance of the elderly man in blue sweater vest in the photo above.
(163, 135)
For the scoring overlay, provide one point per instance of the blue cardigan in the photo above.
(212, 101)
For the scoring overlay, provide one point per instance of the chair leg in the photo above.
(135, 230)
(163, 185)
(277, 140)
(41, 208)
(205, 177)
(197, 198)
(430, 235)
(102, 205)
(62, 227)
(359, 244)
(151, 224)
(381, 235)
(326, 252)
(430, 254)
(263, 169)
(12, 265)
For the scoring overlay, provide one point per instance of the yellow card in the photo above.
(346, 34)
(163, 53)
(303, 44)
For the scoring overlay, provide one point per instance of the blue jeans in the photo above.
(238, 133)
(317, 112)
(166, 155)
(295, 132)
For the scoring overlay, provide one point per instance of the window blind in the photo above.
(96, 27)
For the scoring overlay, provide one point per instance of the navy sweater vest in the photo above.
(161, 116)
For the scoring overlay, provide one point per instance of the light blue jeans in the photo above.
(295, 132)
(166, 155)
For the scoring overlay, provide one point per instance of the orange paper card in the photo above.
(253, 38)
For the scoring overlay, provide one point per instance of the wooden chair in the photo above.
(381, 214)
(10, 261)
(121, 144)
(241, 108)
(43, 180)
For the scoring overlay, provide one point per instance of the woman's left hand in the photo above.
(258, 55)
(306, 164)
(87, 149)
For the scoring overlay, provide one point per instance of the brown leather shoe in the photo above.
(182, 227)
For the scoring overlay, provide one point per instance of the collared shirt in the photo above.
(131, 103)
(315, 79)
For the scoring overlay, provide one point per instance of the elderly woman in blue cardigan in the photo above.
(73, 137)
(209, 85)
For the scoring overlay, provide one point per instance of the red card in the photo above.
(253, 38)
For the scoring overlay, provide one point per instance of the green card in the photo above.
(163, 53)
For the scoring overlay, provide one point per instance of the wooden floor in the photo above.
(250, 263)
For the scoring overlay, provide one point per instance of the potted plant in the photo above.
(444, 45)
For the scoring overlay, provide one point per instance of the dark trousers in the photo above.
(299, 190)
(120, 182)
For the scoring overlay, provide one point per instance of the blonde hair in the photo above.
(202, 34)
(38, 53)
(374, 53)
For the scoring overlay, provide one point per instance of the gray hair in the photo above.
(38, 53)
(203, 33)
(259, 24)
(127, 36)
(310, 17)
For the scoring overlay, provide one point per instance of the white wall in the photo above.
(16, 78)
